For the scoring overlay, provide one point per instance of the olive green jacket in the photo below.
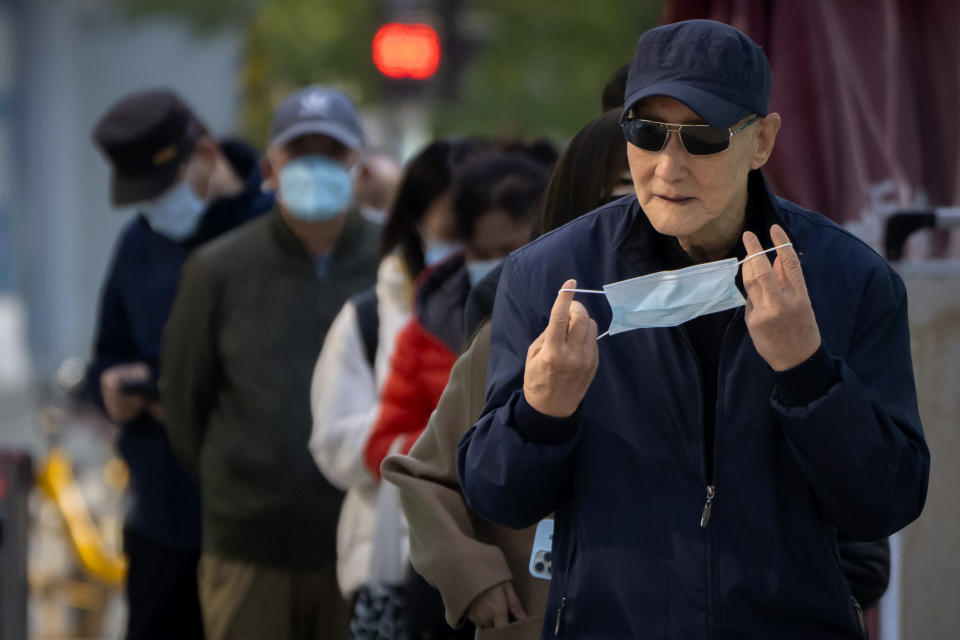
(239, 349)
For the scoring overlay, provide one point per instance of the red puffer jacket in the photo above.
(425, 351)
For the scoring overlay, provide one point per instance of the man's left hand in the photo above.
(779, 315)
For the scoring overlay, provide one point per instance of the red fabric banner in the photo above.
(869, 94)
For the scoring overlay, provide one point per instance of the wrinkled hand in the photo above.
(779, 315)
(122, 407)
(563, 360)
(492, 608)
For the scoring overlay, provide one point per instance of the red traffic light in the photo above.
(406, 50)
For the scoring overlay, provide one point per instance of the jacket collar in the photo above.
(639, 244)
(225, 214)
(290, 244)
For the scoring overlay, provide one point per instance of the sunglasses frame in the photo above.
(678, 129)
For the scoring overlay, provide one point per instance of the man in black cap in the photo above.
(186, 188)
(703, 453)
(242, 341)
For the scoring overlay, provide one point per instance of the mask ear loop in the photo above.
(603, 293)
(760, 253)
(750, 257)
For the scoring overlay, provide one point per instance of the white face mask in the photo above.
(175, 213)
(670, 298)
(316, 188)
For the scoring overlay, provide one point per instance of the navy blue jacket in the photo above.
(626, 473)
(136, 299)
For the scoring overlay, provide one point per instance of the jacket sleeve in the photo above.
(462, 567)
(867, 568)
(860, 444)
(113, 343)
(515, 465)
(403, 412)
(343, 399)
(189, 363)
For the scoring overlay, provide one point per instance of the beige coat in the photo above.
(457, 551)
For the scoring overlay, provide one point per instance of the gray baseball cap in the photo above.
(317, 109)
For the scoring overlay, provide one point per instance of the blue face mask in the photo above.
(175, 213)
(315, 188)
(439, 250)
(477, 269)
(670, 298)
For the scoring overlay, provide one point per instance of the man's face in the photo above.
(694, 197)
(306, 145)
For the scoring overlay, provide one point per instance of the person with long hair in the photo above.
(480, 568)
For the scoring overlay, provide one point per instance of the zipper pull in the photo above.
(860, 620)
(708, 506)
(563, 602)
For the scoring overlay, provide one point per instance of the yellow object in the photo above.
(116, 474)
(57, 481)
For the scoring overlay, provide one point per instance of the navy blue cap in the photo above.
(714, 69)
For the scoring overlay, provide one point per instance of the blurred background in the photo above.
(868, 90)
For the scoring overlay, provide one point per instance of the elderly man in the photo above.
(702, 455)
(245, 332)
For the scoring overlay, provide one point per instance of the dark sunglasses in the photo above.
(697, 139)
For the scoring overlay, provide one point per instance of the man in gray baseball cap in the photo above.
(250, 318)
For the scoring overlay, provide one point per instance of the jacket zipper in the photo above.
(563, 603)
(708, 479)
(711, 489)
(860, 620)
(708, 506)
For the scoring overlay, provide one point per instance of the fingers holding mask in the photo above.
(779, 313)
(558, 326)
(581, 328)
(788, 262)
(558, 374)
(758, 276)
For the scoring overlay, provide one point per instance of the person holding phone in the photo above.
(186, 188)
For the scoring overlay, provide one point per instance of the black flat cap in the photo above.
(146, 136)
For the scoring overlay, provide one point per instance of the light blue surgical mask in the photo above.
(670, 298)
(439, 250)
(315, 188)
(175, 213)
(477, 269)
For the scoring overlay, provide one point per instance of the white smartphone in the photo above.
(541, 556)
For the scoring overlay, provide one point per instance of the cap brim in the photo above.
(715, 111)
(339, 133)
(127, 190)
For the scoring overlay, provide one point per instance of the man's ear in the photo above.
(269, 175)
(207, 148)
(767, 128)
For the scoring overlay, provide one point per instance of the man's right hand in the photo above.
(563, 360)
(492, 608)
(120, 406)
